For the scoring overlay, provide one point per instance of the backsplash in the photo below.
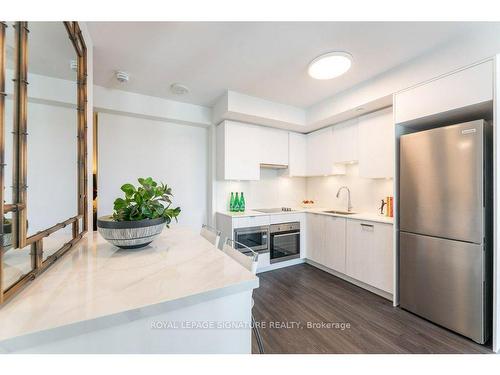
(276, 189)
(366, 193)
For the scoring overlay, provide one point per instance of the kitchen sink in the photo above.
(336, 212)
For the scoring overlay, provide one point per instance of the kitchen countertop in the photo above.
(97, 280)
(315, 210)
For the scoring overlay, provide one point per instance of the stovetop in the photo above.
(274, 210)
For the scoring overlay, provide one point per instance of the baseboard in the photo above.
(342, 276)
(285, 263)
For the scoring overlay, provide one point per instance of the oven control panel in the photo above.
(284, 227)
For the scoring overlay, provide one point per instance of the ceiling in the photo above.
(264, 59)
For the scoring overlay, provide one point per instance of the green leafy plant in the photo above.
(149, 200)
(7, 225)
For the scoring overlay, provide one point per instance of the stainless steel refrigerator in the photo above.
(445, 226)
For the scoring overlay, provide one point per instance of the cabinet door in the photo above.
(466, 87)
(319, 154)
(297, 154)
(383, 258)
(345, 142)
(272, 146)
(335, 249)
(237, 153)
(376, 145)
(315, 238)
(369, 253)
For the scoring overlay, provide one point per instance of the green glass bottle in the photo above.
(236, 203)
(231, 203)
(242, 203)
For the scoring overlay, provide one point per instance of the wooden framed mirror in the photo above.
(43, 148)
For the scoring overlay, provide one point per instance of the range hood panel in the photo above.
(273, 166)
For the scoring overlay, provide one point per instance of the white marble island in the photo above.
(178, 295)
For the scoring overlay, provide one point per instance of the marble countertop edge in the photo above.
(51, 334)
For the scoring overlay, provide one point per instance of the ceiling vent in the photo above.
(122, 76)
(179, 89)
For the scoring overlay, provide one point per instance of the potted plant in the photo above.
(139, 217)
(7, 234)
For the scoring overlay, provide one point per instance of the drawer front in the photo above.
(256, 221)
(250, 221)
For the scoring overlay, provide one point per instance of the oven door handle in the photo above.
(286, 234)
(262, 232)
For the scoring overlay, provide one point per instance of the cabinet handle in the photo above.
(367, 225)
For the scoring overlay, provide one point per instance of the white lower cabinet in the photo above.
(315, 238)
(335, 250)
(362, 250)
(369, 253)
(326, 241)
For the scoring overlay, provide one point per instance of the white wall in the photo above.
(366, 193)
(131, 147)
(272, 190)
(245, 108)
(118, 101)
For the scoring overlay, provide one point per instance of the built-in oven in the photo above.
(256, 238)
(284, 241)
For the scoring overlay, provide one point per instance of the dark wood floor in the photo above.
(304, 294)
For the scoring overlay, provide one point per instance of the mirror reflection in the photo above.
(16, 262)
(52, 132)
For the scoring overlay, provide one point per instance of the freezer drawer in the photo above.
(441, 182)
(442, 280)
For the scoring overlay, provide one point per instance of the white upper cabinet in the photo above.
(376, 144)
(273, 146)
(297, 154)
(345, 142)
(237, 151)
(242, 148)
(466, 87)
(319, 154)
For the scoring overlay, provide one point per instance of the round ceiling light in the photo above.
(330, 65)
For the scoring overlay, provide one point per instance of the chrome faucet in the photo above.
(349, 205)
